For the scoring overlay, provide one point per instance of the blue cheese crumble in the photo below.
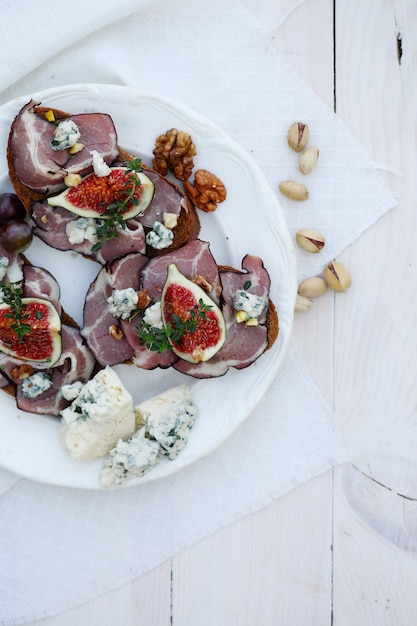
(168, 419)
(35, 384)
(159, 237)
(72, 390)
(4, 264)
(129, 459)
(100, 415)
(122, 302)
(250, 303)
(66, 135)
(82, 229)
(163, 426)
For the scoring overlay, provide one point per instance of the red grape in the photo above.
(11, 208)
(16, 236)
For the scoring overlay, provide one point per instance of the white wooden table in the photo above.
(342, 548)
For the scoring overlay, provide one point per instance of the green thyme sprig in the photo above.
(109, 227)
(159, 339)
(12, 295)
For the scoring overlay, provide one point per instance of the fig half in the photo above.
(97, 196)
(196, 325)
(32, 335)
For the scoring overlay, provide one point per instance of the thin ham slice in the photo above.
(51, 224)
(39, 283)
(43, 169)
(167, 199)
(193, 259)
(121, 274)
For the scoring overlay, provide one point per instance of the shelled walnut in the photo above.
(174, 152)
(206, 192)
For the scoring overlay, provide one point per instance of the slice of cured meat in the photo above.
(109, 347)
(193, 260)
(51, 227)
(167, 199)
(76, 364)
(41, 168)
(39, 283)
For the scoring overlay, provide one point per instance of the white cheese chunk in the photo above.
(100, 167)
(101, 414)
(153, 316)
(168, 419)
(129, 459)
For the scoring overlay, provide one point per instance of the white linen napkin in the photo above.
(215, 58)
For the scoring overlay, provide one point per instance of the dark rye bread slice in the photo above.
(272, 320)
(188, 226)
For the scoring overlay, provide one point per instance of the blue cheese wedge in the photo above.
(129, 459)
(100, 415)
(168, 419)
(163, 427)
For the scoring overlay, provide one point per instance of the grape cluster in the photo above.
(15, 232)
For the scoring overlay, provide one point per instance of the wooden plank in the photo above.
(146, 600)
(375, 528)
(273, 567)
(374, 553)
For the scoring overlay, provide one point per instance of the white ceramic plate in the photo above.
(249, 221)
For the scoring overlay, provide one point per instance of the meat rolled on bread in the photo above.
(38, 171)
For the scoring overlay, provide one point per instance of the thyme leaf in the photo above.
(112, 222)
(12, 295)
(159, 339)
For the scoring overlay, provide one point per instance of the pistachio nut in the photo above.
(76, 148)
(72, 180)
(308, 159)
(294, 190)
(310, 239)
(312, 287)
(298, 136)
(302, 304)
(337, 276)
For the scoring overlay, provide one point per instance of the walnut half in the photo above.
(174, 151)
(207, 192)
